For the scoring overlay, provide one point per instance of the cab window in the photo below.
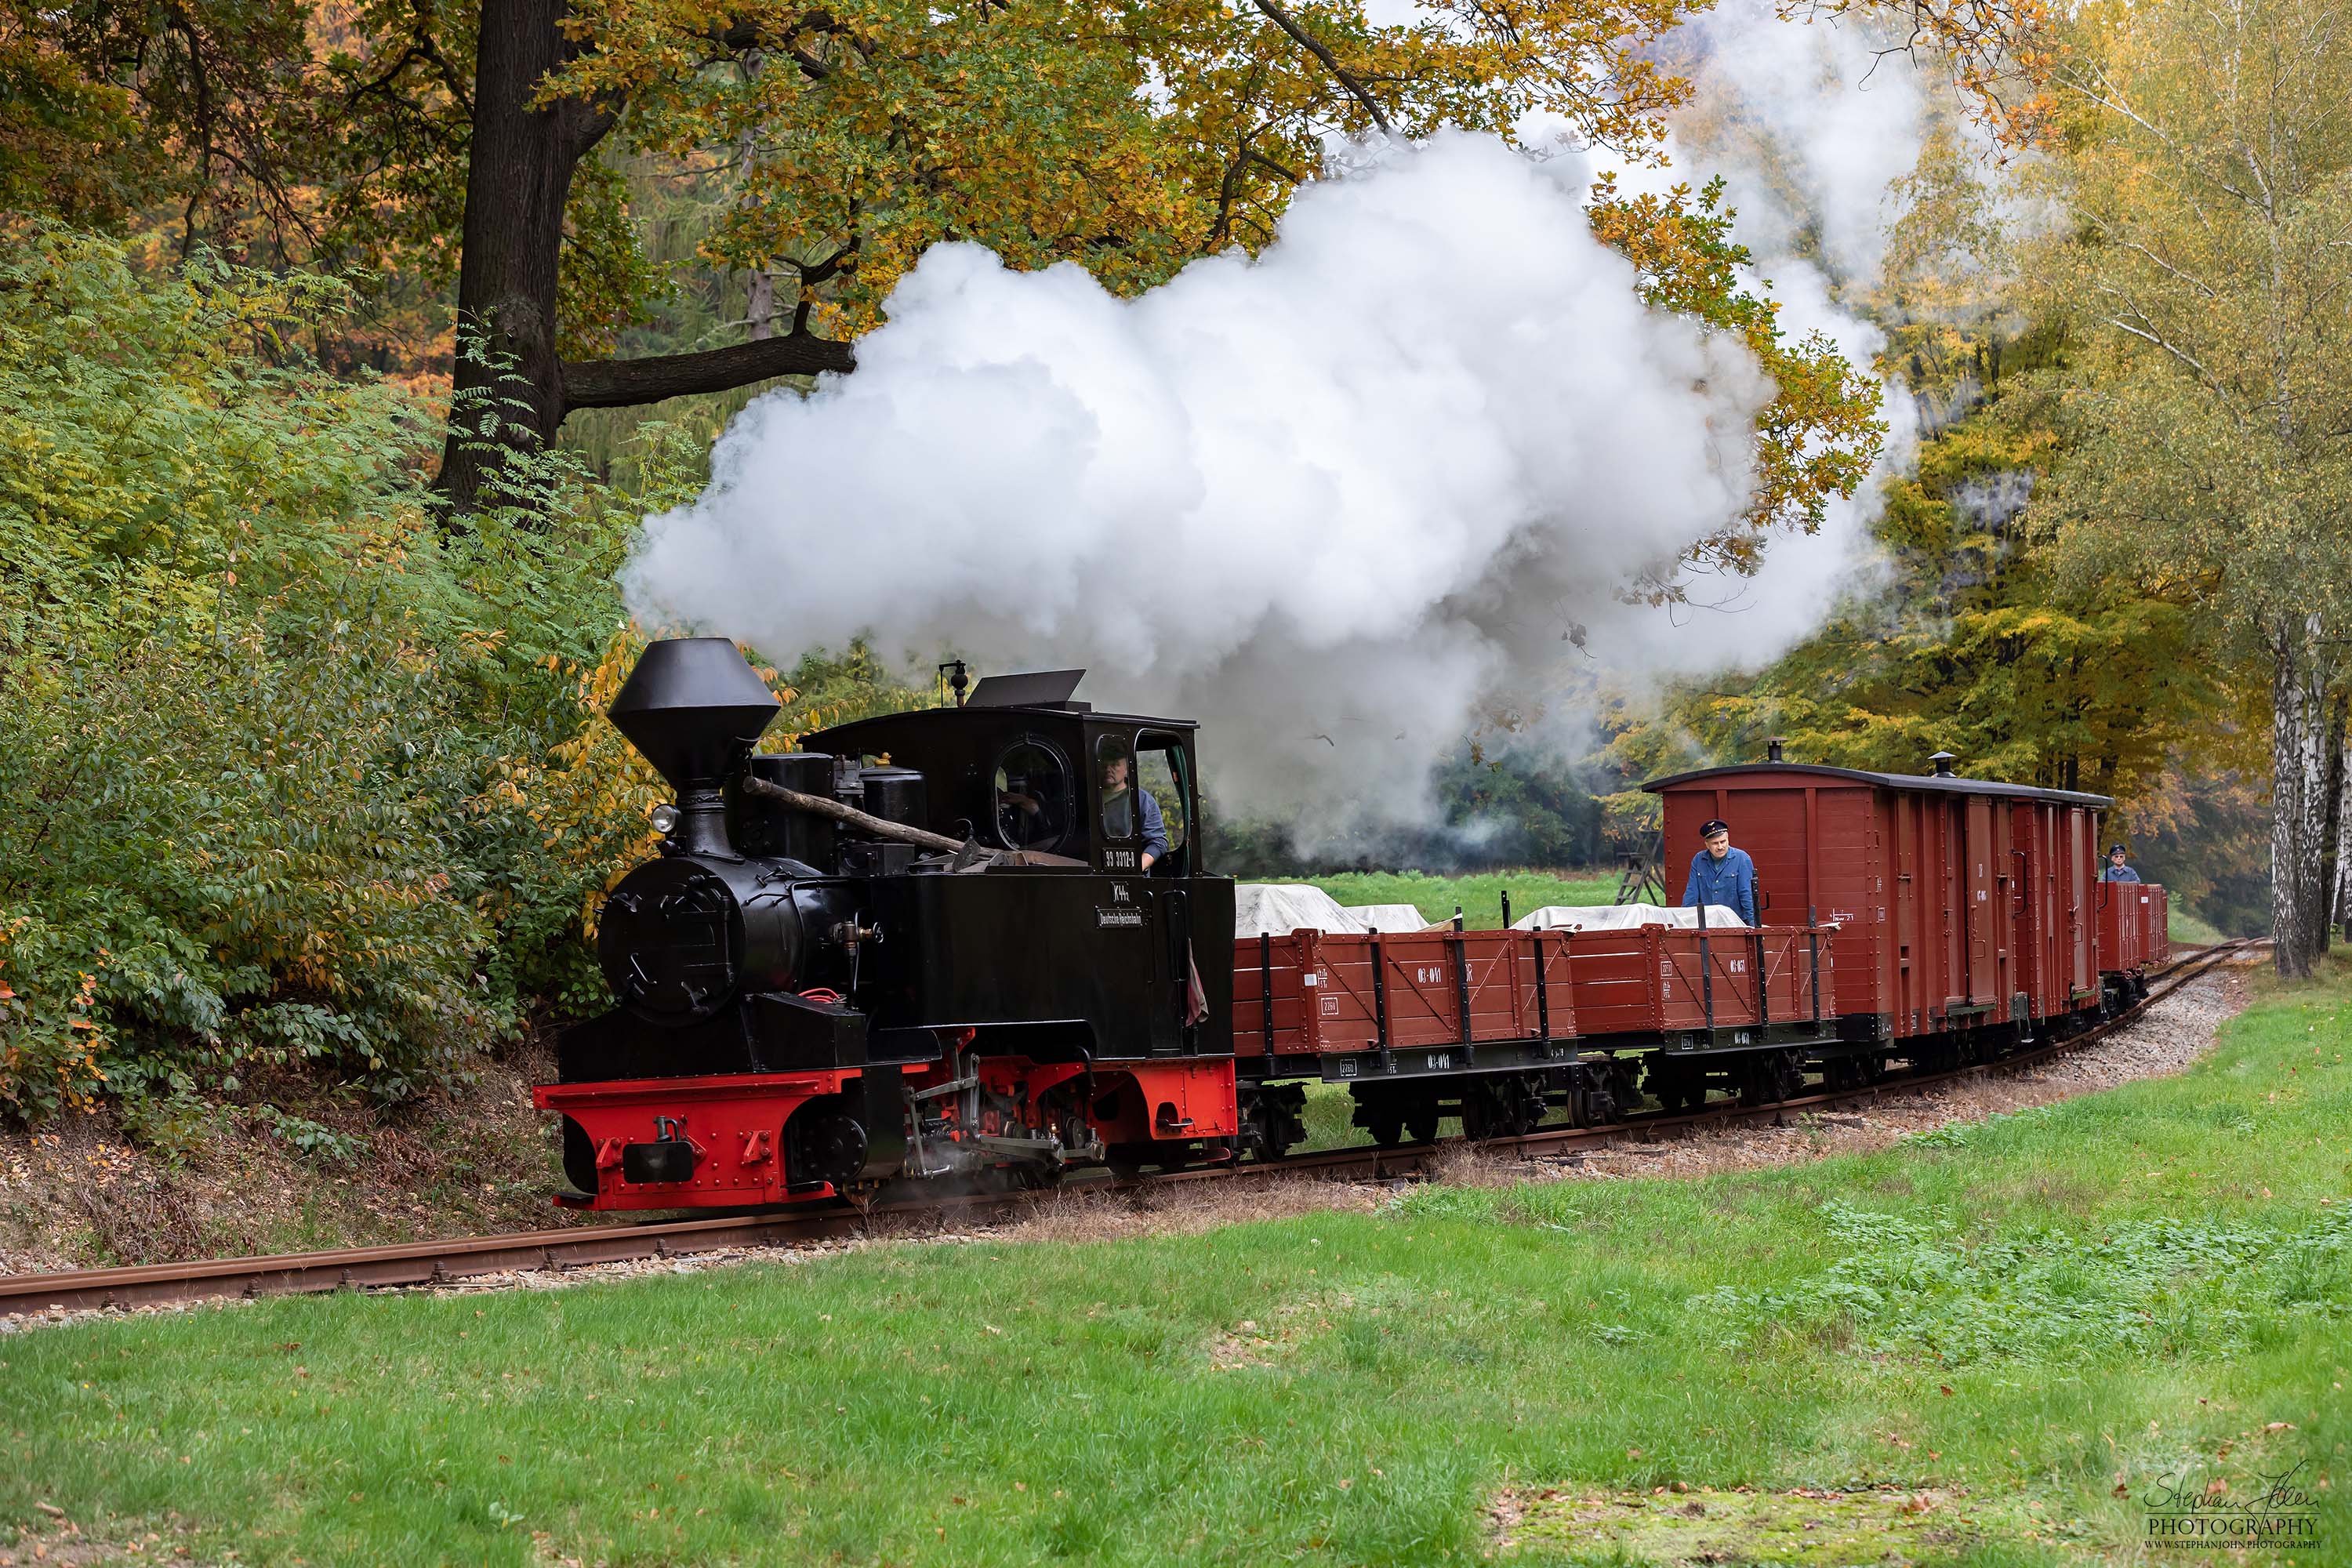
(1160, 771)
(1115, 782)
(1032, 796)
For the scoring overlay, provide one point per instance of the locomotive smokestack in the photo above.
(693, 707)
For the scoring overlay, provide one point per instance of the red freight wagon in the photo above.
(1698, 988)
(1960, 903)
(2132, 927)
(1409, 1002)
(1356, 1004)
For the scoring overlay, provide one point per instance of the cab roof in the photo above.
(846, 739)
(1940, 783)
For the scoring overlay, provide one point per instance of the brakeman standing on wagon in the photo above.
(1720, 874)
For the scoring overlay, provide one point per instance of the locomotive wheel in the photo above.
(1125, 1161)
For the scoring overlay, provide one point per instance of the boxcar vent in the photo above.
(1038, 689)
(1773, 749)
(1943, 761)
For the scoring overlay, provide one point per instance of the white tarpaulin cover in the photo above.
(1277, 908)
(1624, 917)
(1391, 917)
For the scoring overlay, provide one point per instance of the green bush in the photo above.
(270, 731)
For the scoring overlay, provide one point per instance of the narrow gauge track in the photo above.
(431, 1262)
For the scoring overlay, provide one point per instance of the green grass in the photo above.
(2184, 927)
(2032, 1312)
(1479, 897)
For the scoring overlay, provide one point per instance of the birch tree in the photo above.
(2206, 267)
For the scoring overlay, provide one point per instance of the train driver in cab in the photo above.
(2118, 866)
(1720, 874)
(1121, 800)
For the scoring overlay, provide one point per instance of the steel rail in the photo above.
(437, 1262)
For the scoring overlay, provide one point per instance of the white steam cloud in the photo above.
(1808, 124)
(1331, 500)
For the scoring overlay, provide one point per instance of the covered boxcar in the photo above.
(1964, 908)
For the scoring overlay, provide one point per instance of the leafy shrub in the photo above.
(314, 1139)
(262, 715)
(297, 774)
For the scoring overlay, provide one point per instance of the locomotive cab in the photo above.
(1070, 942)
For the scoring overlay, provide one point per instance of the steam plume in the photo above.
(1331, 501)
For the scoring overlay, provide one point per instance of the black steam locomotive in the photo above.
(933, 944)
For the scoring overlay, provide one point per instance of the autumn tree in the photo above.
(2204, 275)
(1127, 137)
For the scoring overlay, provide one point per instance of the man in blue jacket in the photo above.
(2118, 867)
(1720, 874)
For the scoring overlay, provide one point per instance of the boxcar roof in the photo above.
(1939, 782)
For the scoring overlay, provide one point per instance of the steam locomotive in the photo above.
(955, 943)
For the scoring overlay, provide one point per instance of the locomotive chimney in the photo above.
(1943, 764)
(1773, 744)
(693, 708)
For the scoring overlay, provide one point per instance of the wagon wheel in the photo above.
(1509, 1110)
(1484, 1113)
(1387, 1129)
(1788, 1075)
(1760, 1079)
(1270, 1121)
(1422, 1125)
(1539, 1099)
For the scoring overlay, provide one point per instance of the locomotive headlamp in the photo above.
(664, 818)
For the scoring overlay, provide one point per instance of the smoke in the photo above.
(1331, 501)
(1343, 501)
(1809, 123)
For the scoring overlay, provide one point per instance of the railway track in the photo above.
(433, 1262)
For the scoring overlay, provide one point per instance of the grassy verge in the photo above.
(2042, 1318)
(1480, 897)
(2184, 927)
(308, 1167)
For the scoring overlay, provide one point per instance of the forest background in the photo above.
(307, 602)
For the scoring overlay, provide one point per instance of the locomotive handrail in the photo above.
(883, 827)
